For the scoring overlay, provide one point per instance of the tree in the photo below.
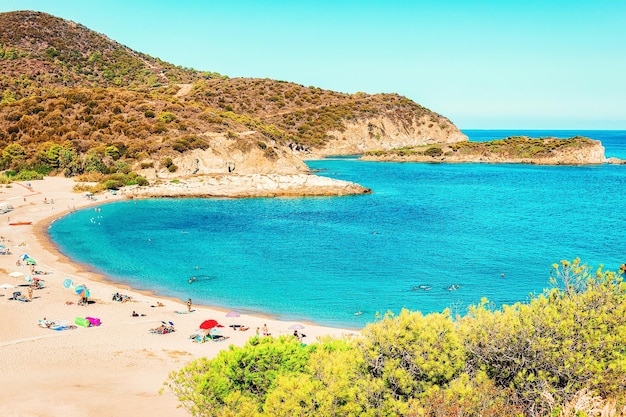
(13, 154)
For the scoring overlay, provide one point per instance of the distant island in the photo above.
(512, 150)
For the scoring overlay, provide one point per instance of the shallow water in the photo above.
(324, 259)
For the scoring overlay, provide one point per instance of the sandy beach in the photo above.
(117, 368)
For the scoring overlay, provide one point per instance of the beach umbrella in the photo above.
(31, 261)
(16, 274)
(82, 291)
(68, 283)
(296, 327)
(22, 257)
(209, 324)
(233, 314)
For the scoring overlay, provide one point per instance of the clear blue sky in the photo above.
(528, 64)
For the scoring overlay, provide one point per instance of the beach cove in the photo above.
(423, 229)
(96, 371)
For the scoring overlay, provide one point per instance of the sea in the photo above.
(430, 237)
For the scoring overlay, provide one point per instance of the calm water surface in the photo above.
(323, 259)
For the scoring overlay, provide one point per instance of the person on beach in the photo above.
(30, 292)
(265, 330)
(189, 305)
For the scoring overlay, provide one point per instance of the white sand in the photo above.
(115, 369)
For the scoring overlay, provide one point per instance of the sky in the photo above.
(484, 64)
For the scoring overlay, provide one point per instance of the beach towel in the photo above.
(93, 321)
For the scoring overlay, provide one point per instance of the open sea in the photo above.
(424, 229)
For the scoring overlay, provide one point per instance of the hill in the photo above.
(75, 101)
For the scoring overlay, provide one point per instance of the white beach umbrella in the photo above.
(16, 274)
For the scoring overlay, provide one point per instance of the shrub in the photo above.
(28, 175)
(113, 184)
(433, 151)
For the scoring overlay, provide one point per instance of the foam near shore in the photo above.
(112, 369)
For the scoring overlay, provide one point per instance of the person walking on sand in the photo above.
(189, 305)
(266, 332)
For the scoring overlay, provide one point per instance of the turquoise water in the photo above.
(323, 259)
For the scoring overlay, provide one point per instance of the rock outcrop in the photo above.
(383, 132)
(251, 185)
(517, 150)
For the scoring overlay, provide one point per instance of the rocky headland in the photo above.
(513, 150)
(247, 185)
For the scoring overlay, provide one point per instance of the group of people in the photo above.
(122, 298)
(164, 328)
(298, 335)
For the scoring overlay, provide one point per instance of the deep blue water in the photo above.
(323, 259)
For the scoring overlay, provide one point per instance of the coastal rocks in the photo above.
(514, 150)
(250, 185)
(383, 132)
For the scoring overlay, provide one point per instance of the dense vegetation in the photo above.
(73, 101)
(561, 354)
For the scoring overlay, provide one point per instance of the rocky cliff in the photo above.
(385, 133)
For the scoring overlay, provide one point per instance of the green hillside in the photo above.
(71, 96)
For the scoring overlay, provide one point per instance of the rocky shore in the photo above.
(248, 185)
(515, 150)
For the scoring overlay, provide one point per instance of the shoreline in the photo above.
(40, 231)
(104, 370)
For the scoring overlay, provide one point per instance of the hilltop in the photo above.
(75, 101)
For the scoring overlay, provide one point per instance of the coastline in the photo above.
(97, 371)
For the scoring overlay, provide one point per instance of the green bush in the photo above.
(113, 184)
(238, 379)
(433, 151)
(528, 359)
(27, 175)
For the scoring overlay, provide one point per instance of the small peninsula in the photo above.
(512, 150)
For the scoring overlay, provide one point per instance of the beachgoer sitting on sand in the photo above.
(135, 314)
(122, 298)
(164, 328)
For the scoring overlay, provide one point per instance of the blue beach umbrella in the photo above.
(68, 283)
(82, 291)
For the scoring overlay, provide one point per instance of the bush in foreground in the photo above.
(562, 354)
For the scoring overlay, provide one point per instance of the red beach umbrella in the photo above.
(209, 324)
